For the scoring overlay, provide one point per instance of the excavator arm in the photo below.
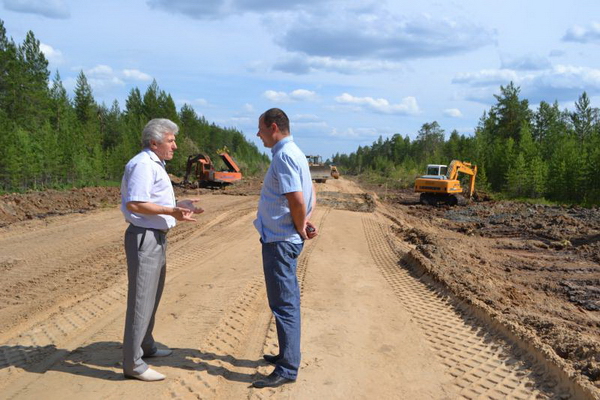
(191, 161)
(457, 167)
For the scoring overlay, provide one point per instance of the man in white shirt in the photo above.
(148, 204)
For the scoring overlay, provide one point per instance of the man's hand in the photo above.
(189, 204)
(310, 230)
(182, 214)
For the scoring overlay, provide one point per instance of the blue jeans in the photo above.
(279, 263)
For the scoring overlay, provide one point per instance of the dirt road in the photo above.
(372, 327)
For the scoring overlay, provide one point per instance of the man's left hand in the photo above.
(310, 231)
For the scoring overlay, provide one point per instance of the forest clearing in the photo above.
(399, 300)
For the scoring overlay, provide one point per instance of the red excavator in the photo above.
(205, 173)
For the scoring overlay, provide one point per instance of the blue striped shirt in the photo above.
(287, 173)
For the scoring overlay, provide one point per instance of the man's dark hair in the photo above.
(278, 116)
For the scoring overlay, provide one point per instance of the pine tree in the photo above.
(516, 177)
(85, 105)
(583, 118)
(512, 113)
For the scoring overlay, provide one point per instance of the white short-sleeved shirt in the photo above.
(146, 180)
(288, 172)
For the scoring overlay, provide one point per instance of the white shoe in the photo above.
(159, 353)
(148, 375)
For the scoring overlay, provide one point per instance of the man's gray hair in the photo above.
(156, 129)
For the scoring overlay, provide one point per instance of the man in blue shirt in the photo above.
(148, 204)
(287, 199)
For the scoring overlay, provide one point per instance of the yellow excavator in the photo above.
(440, 184)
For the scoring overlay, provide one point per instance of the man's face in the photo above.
(265, 133)
(166, 148)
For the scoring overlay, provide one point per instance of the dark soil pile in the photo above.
(536, 268)
(21, 207)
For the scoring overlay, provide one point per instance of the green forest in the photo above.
(547, 153)
(50, 140)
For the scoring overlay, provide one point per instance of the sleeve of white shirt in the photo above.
(141, 181)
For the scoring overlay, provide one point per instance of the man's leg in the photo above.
(145, 261)
(148, 344)
(279, 264)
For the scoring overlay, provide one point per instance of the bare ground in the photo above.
(492, 300)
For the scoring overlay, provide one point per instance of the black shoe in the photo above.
(271, 359)
(272, 380)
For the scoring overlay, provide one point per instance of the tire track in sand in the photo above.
(270, 343)
(237, 335)
(37, 347)
(481, 361)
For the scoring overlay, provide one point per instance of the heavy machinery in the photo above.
(440, 185)
(319, 172)
(205, 173)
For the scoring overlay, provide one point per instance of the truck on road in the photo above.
(319, 172)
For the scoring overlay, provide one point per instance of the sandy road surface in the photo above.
(371, 328)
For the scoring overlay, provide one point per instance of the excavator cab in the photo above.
(436, 171)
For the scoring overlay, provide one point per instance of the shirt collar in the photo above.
(154, 157)
(279, 145)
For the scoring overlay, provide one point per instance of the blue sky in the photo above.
(345, 72)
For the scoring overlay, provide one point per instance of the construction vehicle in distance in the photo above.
(334, 172)
(319, 172)
(440, 185)
(205, 173)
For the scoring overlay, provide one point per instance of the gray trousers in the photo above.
(146, 268)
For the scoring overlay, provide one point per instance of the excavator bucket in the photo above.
(228, 160)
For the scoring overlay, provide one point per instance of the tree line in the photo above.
(521, 153)
(50, 140)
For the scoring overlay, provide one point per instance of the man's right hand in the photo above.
(182, 214)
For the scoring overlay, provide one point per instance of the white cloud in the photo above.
(248, 107)
(100, 70)
(218, 9)
(301, 64)
(195, 102)
(136, 75)
(561, 82)
(303, 95)
(408, 106)
(52, 55)
(380, 35)
(101, 84)
(296, 95)
(590, 34)
(48, 8)
(355, 133)
(453, 113)
(205, 9)
(487, 77)
(276, 96)
(102, 77)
